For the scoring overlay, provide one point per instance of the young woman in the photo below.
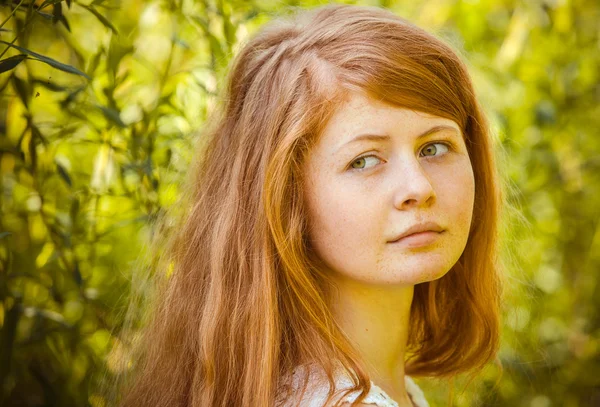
(341, 231)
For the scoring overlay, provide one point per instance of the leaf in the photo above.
(228, 28)
(65, 23)
(117, 50)
(102, 19)
(71, 97)
(33, 152)
(63, 19)
(4, 234)
(47, 314)
(23, 89)
(4, 86)
(47, 2)
(64, 174)
(49, 85)
(181, 42)
(47, 16)
(112, 115)
(11, 62)
(49, 61)
(56, 12)
(74, 210)
(77, 274)
(93, 65)
(216, 48)
(37, 134)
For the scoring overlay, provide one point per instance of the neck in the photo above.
(376, 320)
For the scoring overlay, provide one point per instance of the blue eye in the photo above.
(431, 150)
(361, 162)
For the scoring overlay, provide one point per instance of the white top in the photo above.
(318, 387)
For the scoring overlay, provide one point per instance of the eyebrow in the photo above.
(385, 137)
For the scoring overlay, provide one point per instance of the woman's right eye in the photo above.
(361, 163)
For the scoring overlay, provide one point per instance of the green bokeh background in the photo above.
(86, 165)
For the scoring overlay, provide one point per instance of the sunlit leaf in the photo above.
(44, 255)
(49, 61)
(101, 18)
(95, 61)
(47, 314)
(117, 50)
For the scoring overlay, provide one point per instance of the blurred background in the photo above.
(101, 102)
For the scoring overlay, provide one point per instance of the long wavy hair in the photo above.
(241, 300)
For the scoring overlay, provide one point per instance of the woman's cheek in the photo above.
(463, 196)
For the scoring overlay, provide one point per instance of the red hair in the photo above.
(245, 302)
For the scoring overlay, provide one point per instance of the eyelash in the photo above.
(447, 144)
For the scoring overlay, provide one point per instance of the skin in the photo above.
(358, 205)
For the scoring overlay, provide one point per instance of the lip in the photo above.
(420, 229)
(417, 240)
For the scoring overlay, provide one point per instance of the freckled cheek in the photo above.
(342, 219)
(456, 195)
(338, 210)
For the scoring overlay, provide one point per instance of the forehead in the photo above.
(359, 114)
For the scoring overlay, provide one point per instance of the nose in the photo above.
(413, 187)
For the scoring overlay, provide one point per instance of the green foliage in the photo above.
(98, 115)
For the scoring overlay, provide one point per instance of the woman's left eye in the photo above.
(434, 149)
(361, 163)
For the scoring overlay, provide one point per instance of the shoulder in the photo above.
(415, 392)
(318, 389)
(309, 386)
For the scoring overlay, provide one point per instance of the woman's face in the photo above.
(375, 172)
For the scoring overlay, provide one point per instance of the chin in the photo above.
(418, 274)
(431, 276)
